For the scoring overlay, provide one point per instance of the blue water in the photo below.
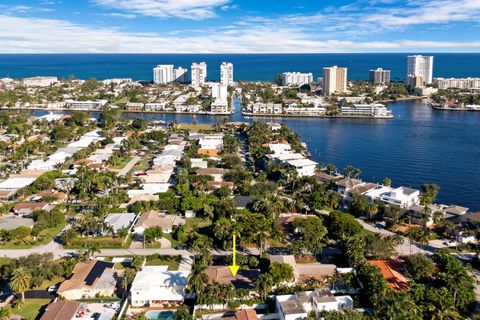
(250, 67)
(419, 145)
(161, 315)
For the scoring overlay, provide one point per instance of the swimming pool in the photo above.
(160, 315)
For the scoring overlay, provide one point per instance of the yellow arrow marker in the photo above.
(234, 268)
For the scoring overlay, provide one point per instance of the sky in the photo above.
(238, 26)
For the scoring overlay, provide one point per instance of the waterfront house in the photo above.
(402, 196)
(304, 167)
(155, 284)
(90, 279)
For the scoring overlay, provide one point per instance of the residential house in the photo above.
(25, 209)
(300, 304)
(306, 272)
(245, 278)
(215, 173)
(391, 273)
(155, 284)
(243, 202)
(119, 221)
(304, 167)
(402, 196)
(158, 219)
(61, 310)
(90, 279)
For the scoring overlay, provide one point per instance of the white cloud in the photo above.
(186, 9)
(120, 15)
(23, 35)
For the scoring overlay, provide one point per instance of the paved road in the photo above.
(129, 166)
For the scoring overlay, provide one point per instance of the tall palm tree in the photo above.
(92, 249)
(198, 279)
(262, 236)
(20, 281)
(264, 285)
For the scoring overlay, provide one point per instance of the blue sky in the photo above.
(238, 26)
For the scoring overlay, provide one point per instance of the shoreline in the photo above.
(454, 109)
(313, 116)
(123, 111)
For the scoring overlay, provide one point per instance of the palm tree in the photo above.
(264, 285)
(262, 236)
(331, 168)
(198, 279)
(5, 313)
(372, 210)
(20, 280)
(92, 249)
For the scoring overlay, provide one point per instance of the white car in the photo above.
(52, 289)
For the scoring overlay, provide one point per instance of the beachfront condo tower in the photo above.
(334, 80)
(420, 66)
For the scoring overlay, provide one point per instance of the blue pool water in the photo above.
(161, 315)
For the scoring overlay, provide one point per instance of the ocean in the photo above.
(250, 67)
(419, 145)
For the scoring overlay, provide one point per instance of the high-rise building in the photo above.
(460, 83)
(379, 76)
(421, 66)
(226, 73)
(199, 74)
(296, 78)
(180, 75)
(219, 91)
(163, 73)
(334, 80)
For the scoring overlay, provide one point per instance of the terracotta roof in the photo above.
(389, 269)
(209, 171)
(325, 177)
(32, 206)
(61, 310)
(349, 183)
(249, 314)
(213, 185)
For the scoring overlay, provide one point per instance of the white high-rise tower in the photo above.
(199, 74)
(420, 66)
(163, 74)
(226, 73)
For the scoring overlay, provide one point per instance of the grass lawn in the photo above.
(195, 223)
(122, 164)
(173, 262)
(48, 283)
(173, 243)
(277, 244)
(31, 308)
(43, 238)
(195, 127)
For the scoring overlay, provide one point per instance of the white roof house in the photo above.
(211, 141)
(304, 167)
(198, 163)
(279, 148)
(402, 196)
(300, 304)
(155, 284)
(16, 183)
(118, 221)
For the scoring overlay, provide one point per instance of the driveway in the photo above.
(129, 166)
